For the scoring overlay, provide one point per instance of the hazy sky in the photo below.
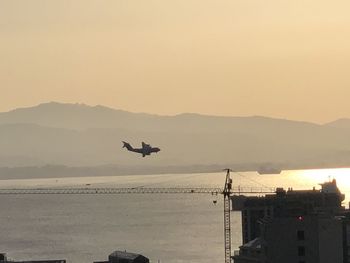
(279, 58)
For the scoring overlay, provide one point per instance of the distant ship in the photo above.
(269, 170)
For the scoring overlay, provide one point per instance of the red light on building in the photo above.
(300, 218)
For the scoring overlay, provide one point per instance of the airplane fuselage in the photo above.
(145, 150)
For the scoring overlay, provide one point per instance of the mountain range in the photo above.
(78, 135)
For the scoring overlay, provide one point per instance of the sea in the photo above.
(169, 228)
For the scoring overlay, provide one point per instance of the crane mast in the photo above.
(227, 216)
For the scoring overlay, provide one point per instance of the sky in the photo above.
(277, 58)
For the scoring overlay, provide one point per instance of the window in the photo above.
(301, 235)
(301, 251)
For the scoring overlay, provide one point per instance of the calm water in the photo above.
(166, 227)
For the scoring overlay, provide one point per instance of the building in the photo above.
(125, 257)
(115, 257)
(4, 259)
(294, 226)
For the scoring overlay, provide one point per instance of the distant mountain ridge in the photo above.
(81, 135)
(81, 116)
(343, 123)
(69, 116)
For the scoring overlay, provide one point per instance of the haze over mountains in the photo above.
(77, 135)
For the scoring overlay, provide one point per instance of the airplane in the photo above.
(145, 150)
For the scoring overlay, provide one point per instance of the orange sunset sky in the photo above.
(278, 58)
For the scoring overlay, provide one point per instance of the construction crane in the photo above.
(227, 192)
(227, 215)
(134, 190)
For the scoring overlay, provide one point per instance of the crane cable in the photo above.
(252, 180)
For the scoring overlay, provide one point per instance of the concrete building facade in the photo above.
(294, 227)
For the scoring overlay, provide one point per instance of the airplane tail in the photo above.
(127, 146)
